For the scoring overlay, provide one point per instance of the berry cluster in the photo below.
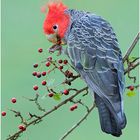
(35, 87)
(68, 74)
(61, 64)
(39, 74)
(60, 61)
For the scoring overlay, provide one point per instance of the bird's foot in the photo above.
(54, 48)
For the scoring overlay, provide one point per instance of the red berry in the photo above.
(72, 108)
(70, 74)
(38, 74)
(34, 73)
(22, 127)
(65, 61)
(40, 50)
(35, 87)
(66, 73)
(48, 64)
(60, 67)
(66, 92)
(60, 61)
(131, 88)
(3, 113)
(49, 58)
(43, 73)
(35, 65)
(44, 82)
(50, 94)
(75, 106)
(13, 100)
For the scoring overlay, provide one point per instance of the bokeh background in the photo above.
(22, 35)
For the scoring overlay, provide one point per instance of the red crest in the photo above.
(56, 15)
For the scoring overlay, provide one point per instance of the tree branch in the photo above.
(36, 120)
(128, 52)
(35, 100)
(18, 114)
(132, 67)
(78, 123)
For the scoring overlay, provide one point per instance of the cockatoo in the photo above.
(94, 52)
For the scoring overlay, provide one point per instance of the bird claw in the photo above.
(56, 48)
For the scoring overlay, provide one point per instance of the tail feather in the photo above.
(109, 123)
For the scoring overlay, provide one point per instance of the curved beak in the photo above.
(55, 39)
(52, 38)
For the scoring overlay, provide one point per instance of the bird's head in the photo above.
(56, 22)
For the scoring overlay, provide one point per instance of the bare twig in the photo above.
(78, 123)
(67, 81)
(36, 102)
(36, 120)
(131, 64)
(18, 114)
(134, 60)
(73, 89)
(128, 52)
(131, 68)
(33, 115)
(85, 93)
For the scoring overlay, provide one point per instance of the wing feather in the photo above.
(93, 49)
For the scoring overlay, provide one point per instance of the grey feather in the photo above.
(93, 50)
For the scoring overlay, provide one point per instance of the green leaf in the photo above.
(57, 96)
(132, 58)
(131, 93)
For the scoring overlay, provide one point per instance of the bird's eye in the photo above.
(55, 27)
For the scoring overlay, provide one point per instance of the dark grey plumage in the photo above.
(94, 52)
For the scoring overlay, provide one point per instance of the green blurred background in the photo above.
(22, 35)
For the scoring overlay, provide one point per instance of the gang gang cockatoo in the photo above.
(94, 52)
